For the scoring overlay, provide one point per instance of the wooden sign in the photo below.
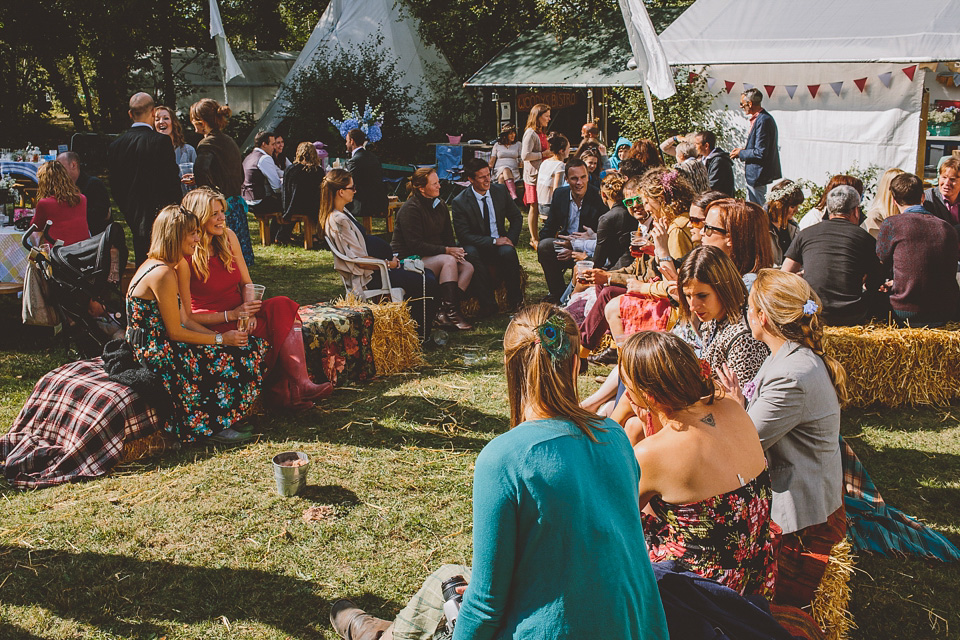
(556, 99)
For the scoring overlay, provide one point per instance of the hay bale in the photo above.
(894, 367)
(153, 444)
(395, 344)
(470, 307)
(831, 602)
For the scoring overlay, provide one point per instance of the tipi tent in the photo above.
(348, 23)
(844, 80)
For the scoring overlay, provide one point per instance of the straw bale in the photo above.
(153, 444)
(893, 367)
(395, 344)
(471, 305)
(830, 606)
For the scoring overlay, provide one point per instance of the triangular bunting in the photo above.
(691, 77)
(729, 85)
(711, 83)
(930, 66)
(791, 89)
(813, 89)
(886, 78)
(836, 86)
(747, 86)
(861, 83)
(909, 71)
(769, 88)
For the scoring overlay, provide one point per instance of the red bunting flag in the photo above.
(769, 88)
(861, 84)
(813, 88)
(729, 85)
(909, 71)
(691, 77)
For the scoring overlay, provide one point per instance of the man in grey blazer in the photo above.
(480, 219)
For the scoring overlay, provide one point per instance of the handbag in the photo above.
(36, 308)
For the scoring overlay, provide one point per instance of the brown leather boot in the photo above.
(353, 623)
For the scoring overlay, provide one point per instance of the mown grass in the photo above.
(198, 545)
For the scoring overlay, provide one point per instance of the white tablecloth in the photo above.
(13, 257)
(22, 169)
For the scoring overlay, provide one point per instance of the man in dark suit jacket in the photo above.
(480, 217)
(144, 175)
(718, 163)
(761, 156)
(574, 209)
(370, 199)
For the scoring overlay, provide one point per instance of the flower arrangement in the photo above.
(369, 121)
(9, 185)
(948, 115)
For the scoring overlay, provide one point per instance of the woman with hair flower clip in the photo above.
(794, 401)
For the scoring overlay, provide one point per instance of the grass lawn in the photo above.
(198, 545)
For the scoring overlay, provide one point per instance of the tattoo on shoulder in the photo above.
(708, 420)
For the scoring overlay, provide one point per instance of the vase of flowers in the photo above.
(943, 122)
(370, 121)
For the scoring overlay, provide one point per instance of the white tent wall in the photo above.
(348, 23)
(829, 133)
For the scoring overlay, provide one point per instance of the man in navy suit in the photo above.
(144, 176)
(574, 209)
(480, 217)
(761, 156)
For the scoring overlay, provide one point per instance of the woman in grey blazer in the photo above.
(794, 402)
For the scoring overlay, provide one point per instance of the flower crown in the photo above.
(783, 192)
(667, 180)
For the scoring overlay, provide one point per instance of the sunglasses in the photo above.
(697, 223)
(709, 230)
(629, 203)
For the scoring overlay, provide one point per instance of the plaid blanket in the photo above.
(875, 527)
(73, 427)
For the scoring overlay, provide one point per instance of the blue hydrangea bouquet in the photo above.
(369, 121)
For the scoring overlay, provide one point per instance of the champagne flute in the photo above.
(243, 322)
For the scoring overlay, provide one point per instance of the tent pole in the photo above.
(653, 121)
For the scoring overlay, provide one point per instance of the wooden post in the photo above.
(922, 137)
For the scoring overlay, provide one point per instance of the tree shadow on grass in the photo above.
(329, 494)
(134, 598)
(906, 419)
(13, 632)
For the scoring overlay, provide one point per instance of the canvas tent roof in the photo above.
(831, 31)
(535, 59)
(347, 23)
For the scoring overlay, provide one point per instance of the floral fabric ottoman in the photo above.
(337, 340)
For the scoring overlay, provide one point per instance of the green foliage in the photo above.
(869, 177)
(363, 74)
(458, 112)
(240, 125)
(687, 111)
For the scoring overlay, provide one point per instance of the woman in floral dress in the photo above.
(212, 378)
(704, 484)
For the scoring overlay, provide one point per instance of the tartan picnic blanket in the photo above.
(73, 427)
(875, 527)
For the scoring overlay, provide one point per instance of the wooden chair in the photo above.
(263, 220)
(308, 226)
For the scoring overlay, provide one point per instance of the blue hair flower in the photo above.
(810, 307)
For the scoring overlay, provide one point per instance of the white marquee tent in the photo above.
(348, 23)
(844, 79)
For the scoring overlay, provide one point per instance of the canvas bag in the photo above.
(36, 310)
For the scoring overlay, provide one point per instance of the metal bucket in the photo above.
(290, 480)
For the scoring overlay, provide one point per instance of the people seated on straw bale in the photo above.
(614, 228)
(591, 158)
(262, 180)
(574, 213)
(213, 378)
(819, 212)
(883, 205)
(794, 402)
(698, 213)
(631, 168)
(215, 280)
(782, 202)
(621, 151)
(59, 201)
(590, 138)
(347, 236)
(704, 484)
(98, 199)
(943, 200)
(557, 535)
(488, 223)
(301, 190)
(684, 149)
(423, 228)
(919, 250)
(839, 260)
(741, 230)
(647, 152)
(505, 159)
(717, 161)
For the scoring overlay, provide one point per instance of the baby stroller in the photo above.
(82, 282)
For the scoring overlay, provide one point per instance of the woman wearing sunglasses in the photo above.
(740, 229)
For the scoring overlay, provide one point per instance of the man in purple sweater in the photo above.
(920, 251)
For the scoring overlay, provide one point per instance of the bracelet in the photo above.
(225, 318)
(667, 259)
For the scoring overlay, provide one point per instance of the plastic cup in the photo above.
(291, 478)
(253, 292)
(185, 168)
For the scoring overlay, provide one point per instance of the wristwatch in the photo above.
(219, 338)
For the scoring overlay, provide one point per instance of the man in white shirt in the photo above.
(261, 178)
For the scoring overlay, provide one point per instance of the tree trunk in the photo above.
(87, 98)
(168, 89)
(65, 91)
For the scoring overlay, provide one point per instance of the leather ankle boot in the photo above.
(353, 623)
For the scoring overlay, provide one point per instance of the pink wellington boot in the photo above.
(293, 361)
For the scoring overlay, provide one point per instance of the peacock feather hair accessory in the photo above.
(553, 337)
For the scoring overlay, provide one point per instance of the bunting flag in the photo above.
(728, 85)
(909, 71)
(861, 83)
(747, 86)
(791, 89)
(691, 77)
(769, 88)
(813, 88)
(711, 83)
(836, 86)
(930, 66)
(886, 78)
